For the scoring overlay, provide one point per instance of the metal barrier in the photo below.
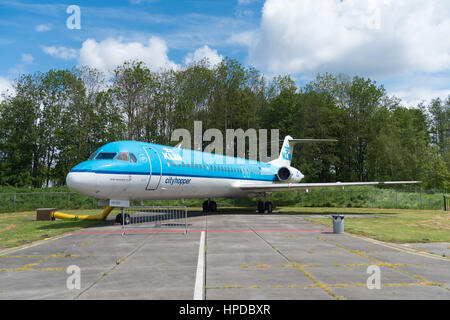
(154, 217)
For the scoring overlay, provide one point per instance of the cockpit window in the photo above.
(92, 156)
(105, 155)
(122, 156)
(133, 157)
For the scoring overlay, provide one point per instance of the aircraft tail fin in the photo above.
(284, 160)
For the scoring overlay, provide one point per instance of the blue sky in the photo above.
(402, 44)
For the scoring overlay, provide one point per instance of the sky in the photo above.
(402, 44)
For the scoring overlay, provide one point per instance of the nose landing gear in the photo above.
(119, 219)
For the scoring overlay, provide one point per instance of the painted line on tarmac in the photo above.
(202, 230)
(199, 290)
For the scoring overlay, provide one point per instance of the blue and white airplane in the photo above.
(122, 171)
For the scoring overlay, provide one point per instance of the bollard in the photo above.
(338, 223)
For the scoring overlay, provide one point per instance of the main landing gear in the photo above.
(209, 206)
(264, 205)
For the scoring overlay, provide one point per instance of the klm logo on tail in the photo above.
(287, 153)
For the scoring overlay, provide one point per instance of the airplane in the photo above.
(124, 171)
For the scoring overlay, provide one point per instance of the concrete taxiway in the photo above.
(241, 256)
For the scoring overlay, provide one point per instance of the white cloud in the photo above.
(244, 38)
(364, 37)
(413, 95)
(5, 86)
(204, 52)
(61, 52)
(108, 54)
(27, 58)
(43, 27)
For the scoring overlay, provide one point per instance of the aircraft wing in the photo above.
(269, 187)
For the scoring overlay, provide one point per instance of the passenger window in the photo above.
(123, 156)
(105, 156)
(133, 157)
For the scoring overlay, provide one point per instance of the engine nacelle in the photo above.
(289, 174)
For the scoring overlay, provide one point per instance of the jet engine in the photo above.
(289, 174)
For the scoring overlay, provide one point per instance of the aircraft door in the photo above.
(155, 168)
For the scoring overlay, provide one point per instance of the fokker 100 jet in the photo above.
(122, 171)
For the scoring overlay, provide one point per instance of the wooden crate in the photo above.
(45, 214)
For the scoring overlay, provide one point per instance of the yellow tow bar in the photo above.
(102, 216)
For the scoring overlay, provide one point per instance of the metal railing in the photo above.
(155, 217)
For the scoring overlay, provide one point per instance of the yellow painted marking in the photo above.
(85, 243)
(394, 267)
(318, 283)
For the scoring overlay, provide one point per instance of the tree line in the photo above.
(56, 119)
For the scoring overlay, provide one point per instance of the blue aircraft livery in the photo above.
(131, 170)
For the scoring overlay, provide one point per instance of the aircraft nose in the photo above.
(84, 183)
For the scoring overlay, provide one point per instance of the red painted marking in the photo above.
(216, 230)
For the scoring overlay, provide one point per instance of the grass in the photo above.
(20, 228)
(390, 225)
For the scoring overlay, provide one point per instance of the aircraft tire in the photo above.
(119, 218)
(269, 207)
(127, 219)
(260, 207)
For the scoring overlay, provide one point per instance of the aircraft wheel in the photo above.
(212, 206)
(269, 207)
(205, 206)
(260, 207)
(119, 218)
